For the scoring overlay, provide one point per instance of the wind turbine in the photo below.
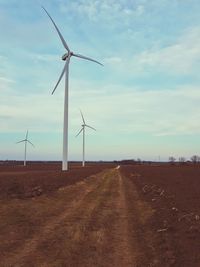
(25, 146)
(83, 130)
(66, 57)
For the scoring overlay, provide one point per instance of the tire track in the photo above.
(99, 226)
(20, 256)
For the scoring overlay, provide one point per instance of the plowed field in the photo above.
(139, 216)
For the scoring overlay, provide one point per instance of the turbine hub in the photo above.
(66, 55)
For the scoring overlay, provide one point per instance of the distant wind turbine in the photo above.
(25, 146)
(66, 57)
(83, 130)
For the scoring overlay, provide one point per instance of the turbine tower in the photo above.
(83, 130)
(66, 57)
(25, 146)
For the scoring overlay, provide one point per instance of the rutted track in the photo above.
(101, 221)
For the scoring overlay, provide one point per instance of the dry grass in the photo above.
(95, 222)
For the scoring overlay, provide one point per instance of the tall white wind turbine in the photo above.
(66, 57)
(25, 146)
(83, 130)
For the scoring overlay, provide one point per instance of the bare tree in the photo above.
(181, 159)
(172, 159)
(195, 158)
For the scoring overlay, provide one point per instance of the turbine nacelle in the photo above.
(66, 55)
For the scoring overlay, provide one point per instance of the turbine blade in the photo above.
(21, 141)
(90, 127)
(63, 71)
(82, 117)
(30, 143)
(87, 58)
(79, 132)
(26, 135)
(60, 35)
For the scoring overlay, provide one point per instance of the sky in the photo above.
(144, 101)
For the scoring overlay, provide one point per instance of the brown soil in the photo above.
(17, 181)
(173, 192)
(137, 216)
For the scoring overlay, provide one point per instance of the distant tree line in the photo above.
(194, 159)
(172, 160)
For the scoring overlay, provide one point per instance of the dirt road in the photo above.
(100, 221)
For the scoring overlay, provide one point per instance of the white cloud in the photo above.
(126, 110)
(44, 57)
(170, 111)
(119, 12)
(181, 57)
(112, 60)
(39, 112)
(6, 80)
(140, 10)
